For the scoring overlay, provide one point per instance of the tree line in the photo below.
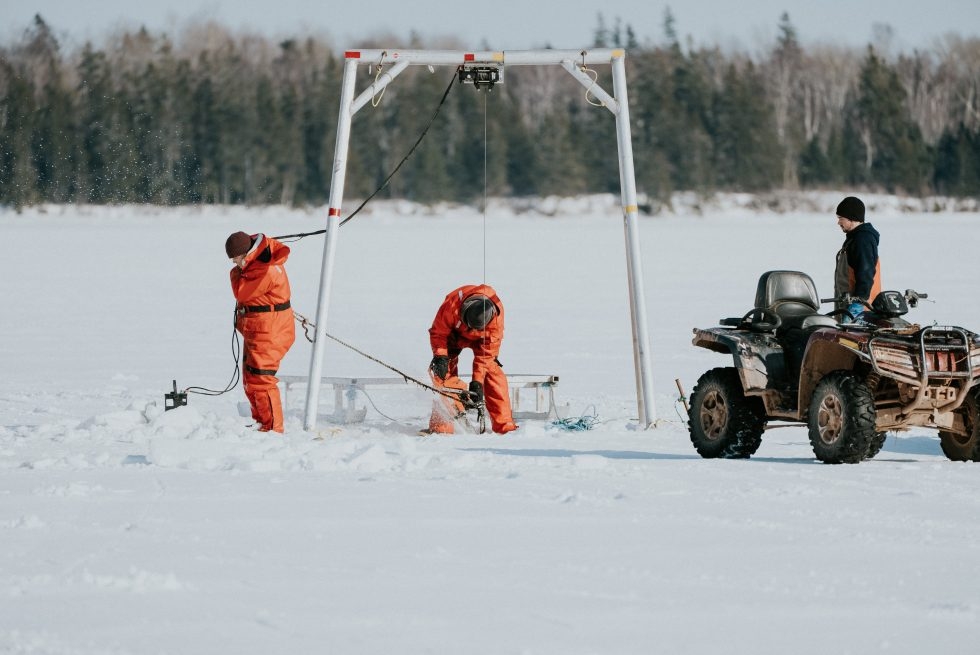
(223, 118)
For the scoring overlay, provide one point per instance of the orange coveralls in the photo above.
(448, 336)
(265, 319)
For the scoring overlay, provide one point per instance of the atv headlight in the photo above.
(893, 359)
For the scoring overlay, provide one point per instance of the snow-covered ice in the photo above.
(127, 529)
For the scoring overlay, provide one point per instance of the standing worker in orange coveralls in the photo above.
(265, 319)
(471, 316)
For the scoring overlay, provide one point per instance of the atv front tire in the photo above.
(877, 443)
(842, 419)
(723, 421)
(963, 448)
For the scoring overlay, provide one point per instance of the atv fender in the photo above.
(758, 356)
(824, 354)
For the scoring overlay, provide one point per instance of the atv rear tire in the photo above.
(842, 419)
(961, 448)
(723, 421)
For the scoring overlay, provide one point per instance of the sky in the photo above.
(513, 24)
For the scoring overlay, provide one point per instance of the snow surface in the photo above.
(125, 529)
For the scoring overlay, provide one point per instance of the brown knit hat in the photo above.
(238, 244)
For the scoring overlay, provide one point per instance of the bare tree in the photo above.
(827, 76)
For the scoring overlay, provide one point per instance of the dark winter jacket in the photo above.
(858, 267)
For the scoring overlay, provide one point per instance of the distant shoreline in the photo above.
(682, 203)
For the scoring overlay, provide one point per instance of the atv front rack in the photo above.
(944, 358)
(944, 352)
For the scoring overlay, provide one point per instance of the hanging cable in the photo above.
(236, 351)
(383, 415)
(485, 198)
(442, 101)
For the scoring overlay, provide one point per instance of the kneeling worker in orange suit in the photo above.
(471, 316)
(265, 319)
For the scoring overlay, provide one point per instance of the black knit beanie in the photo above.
(851, 208)
(477, 312)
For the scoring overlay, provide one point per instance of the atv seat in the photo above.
(792, 296)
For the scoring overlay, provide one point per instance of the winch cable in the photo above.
(485, 148)
(300, 235)
(454, 394)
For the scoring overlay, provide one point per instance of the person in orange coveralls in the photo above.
(471, 316)
(265, 319)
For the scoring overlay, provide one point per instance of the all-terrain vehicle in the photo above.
(851, 381)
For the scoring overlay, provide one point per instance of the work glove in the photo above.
(476, 393)
(856, 309)
(440, 366)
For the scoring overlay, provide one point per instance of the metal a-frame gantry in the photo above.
(484, 68)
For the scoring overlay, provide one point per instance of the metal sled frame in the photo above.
(345, 394)
(573, 61)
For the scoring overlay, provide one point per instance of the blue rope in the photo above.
(576, 423)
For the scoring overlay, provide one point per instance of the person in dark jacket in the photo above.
(858, 271)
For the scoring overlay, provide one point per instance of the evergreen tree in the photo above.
(479, 153)
(467, 114)
(957, 169)
(181, 153)
(560, 169)
(652, 112)
(814, 166)
(747, 155)
(318, 117)
(205, 137)
(94, 94)
(688, 145)
(289, 70)
(521, 155)
(52, 145)
(786, 63)
(427, 176)
(17, 109)
(895, 154)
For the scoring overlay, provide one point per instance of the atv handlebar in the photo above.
(846, 299)
(912, 297)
